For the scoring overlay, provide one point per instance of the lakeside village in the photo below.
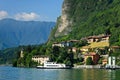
(96, 54)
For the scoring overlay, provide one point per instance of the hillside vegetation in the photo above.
(92, 17)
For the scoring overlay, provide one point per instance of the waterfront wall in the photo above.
(87, 66)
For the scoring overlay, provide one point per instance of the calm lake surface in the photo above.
(11, 73)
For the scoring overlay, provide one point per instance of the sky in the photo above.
(31, 10)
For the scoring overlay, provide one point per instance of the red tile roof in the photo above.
(90, 54)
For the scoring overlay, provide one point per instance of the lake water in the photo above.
(11, 73)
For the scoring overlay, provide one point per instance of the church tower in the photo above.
(21, 54)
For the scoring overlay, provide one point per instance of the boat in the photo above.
(53, 65)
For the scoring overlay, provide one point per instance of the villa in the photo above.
(60, 44)
(99, 38)
(40, 59)
(64, 43)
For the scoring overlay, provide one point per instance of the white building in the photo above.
(40, 59)
(58, 44)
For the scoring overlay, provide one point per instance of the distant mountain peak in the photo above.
(14, 33)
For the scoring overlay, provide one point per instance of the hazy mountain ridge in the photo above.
(14, 33)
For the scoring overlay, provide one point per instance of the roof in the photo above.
(97, 37)
(104, 60)
(91, 54)
(115, 46)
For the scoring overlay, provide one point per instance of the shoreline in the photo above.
(93, 67)
(87, 67)
(5, 64)
(75, 67)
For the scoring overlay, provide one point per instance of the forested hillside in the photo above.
(87, 18)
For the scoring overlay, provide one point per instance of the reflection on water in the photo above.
(111, 74)
(10, 73)
(94, 74)
(88, 74)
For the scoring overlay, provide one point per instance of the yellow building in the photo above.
(85, 49)
(104, 61)
(74, 49)
(40, 59)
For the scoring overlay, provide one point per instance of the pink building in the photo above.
(95, 57)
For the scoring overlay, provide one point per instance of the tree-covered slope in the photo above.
(89, 17)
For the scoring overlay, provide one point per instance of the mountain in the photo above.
(14, 33)
(81, 18)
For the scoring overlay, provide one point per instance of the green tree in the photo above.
(100, 61)
(62, 55)
(34, 52)
(89, 61)
(28, 60)
(15, 63)
(68, 62)
(71, 57)
(81, 59)
(20, 62)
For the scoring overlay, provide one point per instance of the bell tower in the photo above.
(21, 53)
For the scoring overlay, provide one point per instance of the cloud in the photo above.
(23, 16)
(3, 14)
(27, 16)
